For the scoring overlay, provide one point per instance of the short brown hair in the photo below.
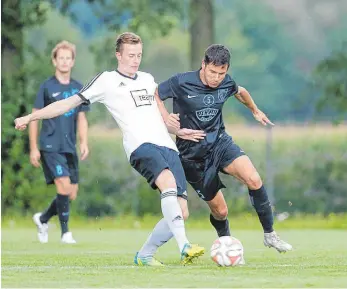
(64, 45)
(127, 38)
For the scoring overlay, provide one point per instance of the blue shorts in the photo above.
(203, 176)
(150, 160)
(56, 165)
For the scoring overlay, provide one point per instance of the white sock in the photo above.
(173, 216)
(159, 236)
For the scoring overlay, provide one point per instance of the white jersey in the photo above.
(132, 104)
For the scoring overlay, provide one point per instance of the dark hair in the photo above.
(126, 38)
(217, 55)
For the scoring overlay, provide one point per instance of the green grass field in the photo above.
(103, 258)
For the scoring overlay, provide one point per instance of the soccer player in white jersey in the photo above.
(128, 94)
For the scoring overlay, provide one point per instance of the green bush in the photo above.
(309, 177)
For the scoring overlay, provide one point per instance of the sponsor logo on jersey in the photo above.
(206, 114)
(55, 94)
(141, 97)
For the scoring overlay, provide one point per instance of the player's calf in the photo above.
(260, 201)
(219, 214)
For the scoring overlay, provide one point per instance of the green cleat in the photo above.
(190, 252)
(147, 261)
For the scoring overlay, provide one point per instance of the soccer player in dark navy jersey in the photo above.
(57, 149)
(198, 99)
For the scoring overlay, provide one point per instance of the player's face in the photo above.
(129, 59)
(64, 60)
(213, 75)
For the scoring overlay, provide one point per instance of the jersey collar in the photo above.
(133, 78)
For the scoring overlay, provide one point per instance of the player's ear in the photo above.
(73, 62)
(54, 61)
(118, 55)
(203, 65)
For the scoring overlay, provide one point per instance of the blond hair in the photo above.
(127, 38)
(64, 45)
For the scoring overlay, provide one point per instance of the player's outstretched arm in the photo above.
(50, 111)
(244, 97)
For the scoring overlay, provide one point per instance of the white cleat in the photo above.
(68, 239)
(42, 228)
(273, 240)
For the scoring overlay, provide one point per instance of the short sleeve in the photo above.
(40, 97)
(94, 90)
(84, 107)
(234, 87)
(169, 88)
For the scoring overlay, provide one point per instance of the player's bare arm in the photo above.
(82, 126)
(34, 150)
(244, 97)
(172, 122)
(50, 111)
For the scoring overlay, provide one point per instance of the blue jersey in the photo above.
(58, 134)
(200, 108)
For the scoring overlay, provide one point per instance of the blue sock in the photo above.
(262, 206)
(63, 208)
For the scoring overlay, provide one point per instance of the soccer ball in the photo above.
(227, 251)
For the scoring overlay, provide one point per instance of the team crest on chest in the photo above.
(222, 94)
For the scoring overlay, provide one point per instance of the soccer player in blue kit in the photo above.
(57, 149)
(198, 99)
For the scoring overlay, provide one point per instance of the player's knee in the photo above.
(63, 186)
(254, 181)
(165, 180)
(74, 191)
(222, 213)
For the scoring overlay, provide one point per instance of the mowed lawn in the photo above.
(104, 258)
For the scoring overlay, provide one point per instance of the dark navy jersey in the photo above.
(58, 134)
(200, 107)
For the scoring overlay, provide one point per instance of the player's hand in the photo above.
(173, 120)
(35, 157)
(21, 123)
(261, 117)
(191, 134)
(84, 151)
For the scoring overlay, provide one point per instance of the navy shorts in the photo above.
(150, 160)
(57, 165)
(203, 175)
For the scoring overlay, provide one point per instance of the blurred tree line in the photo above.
(267, 59)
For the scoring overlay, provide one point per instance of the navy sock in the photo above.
(262, 206)
(222, 227)
(50, 212)
(63, 208)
